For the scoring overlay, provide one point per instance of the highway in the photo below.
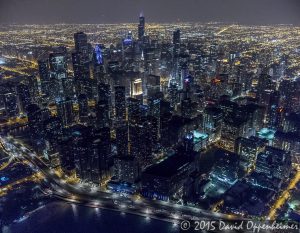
(94, 197)
(223, 30)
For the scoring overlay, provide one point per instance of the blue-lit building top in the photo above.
(200, 140)
(128, 41)
(268, 134)
(99, 55)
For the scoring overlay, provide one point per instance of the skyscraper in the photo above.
(36, 118)
(58, 72)
(248, 149)
(104, 93)
(274, 163)
(122, 138)
(81, 63)
(65, 111)
(176, 42)
(83, 107)
(81, 147)
(44, 75)
(141, 27)
(100, 155)
(11, 104)
(103, 105)
(120, 103)
(81, 43)
(103, 114)
(24, 96)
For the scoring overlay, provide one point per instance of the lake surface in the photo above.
(61, 217)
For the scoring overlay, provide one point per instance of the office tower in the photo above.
(81, 63)
(103, 115)
(187, 84)
(154, 110)
(225, 171)
(83, 107)
(120, 103)
(232, 128)
(254, 113)
(141, 27)
(289, 92)
(134, 116)
(81, 43)
(44, 75)
(291, 122)
(219, 86)
(149, 138)
(103, 106)
(228, 107)
(248, 149)
(136, 88)
(162, 180)
(288, 141)
(32, 83)
(58, 66)
(264, 86)
(98, 64)
(176, 43)
(152, 60)
(81, 66)
(134, 112)
(58, 72)
(53, 132)
(274, 163)
(126, 169)
(273, 110)
(143, 139)
(66, 155)
(81, 70)
(65, 111)
(98, 55)
(186, 108)
(128, 49)
(152, 85)
(100, 155)
(173, 93)
(122, 138)
(183, 77)
(104, 93)
(177, 61)
(11, 104)
(212, 123)
(81, 148)
(68, 87)
(23, 96)
(36, 118)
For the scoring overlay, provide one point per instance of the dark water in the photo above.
(60, 217)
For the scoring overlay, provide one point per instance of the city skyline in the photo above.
(169, 125)
(255, 12)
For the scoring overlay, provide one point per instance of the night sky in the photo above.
(259, 12)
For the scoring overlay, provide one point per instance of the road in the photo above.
(96, 198)
(224, 30)
(284, 196)
(6, 188)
